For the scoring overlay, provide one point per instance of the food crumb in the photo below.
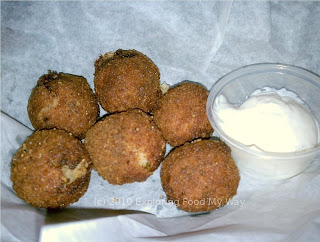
(164, 87)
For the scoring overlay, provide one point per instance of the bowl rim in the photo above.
(262, 67)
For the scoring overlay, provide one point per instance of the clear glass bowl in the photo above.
(237, 86)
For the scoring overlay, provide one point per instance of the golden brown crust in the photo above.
(125, 147)
(181, 115)
(200, 176)
(38, 169)
(63, 101)
(126, 79)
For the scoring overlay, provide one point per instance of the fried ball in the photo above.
(125, 147)
(51, 169)
(63, 101)
(200, 176)
(181, 114)
(126, 79)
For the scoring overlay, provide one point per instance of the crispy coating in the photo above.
(51, 169)
(63, 101)
(126, 79)
(125, 147)
(200, 176)
(181, 114)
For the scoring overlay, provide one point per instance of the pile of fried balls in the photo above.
(52, 168)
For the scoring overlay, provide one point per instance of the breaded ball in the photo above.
(51, 169)
(125, 147)
(181, 114)
(63, 101)
(126, 79)
(200, 176)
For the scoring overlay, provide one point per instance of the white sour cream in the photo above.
(268, 120)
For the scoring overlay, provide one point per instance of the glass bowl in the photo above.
(237, 86)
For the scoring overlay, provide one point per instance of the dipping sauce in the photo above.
(269, 120)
